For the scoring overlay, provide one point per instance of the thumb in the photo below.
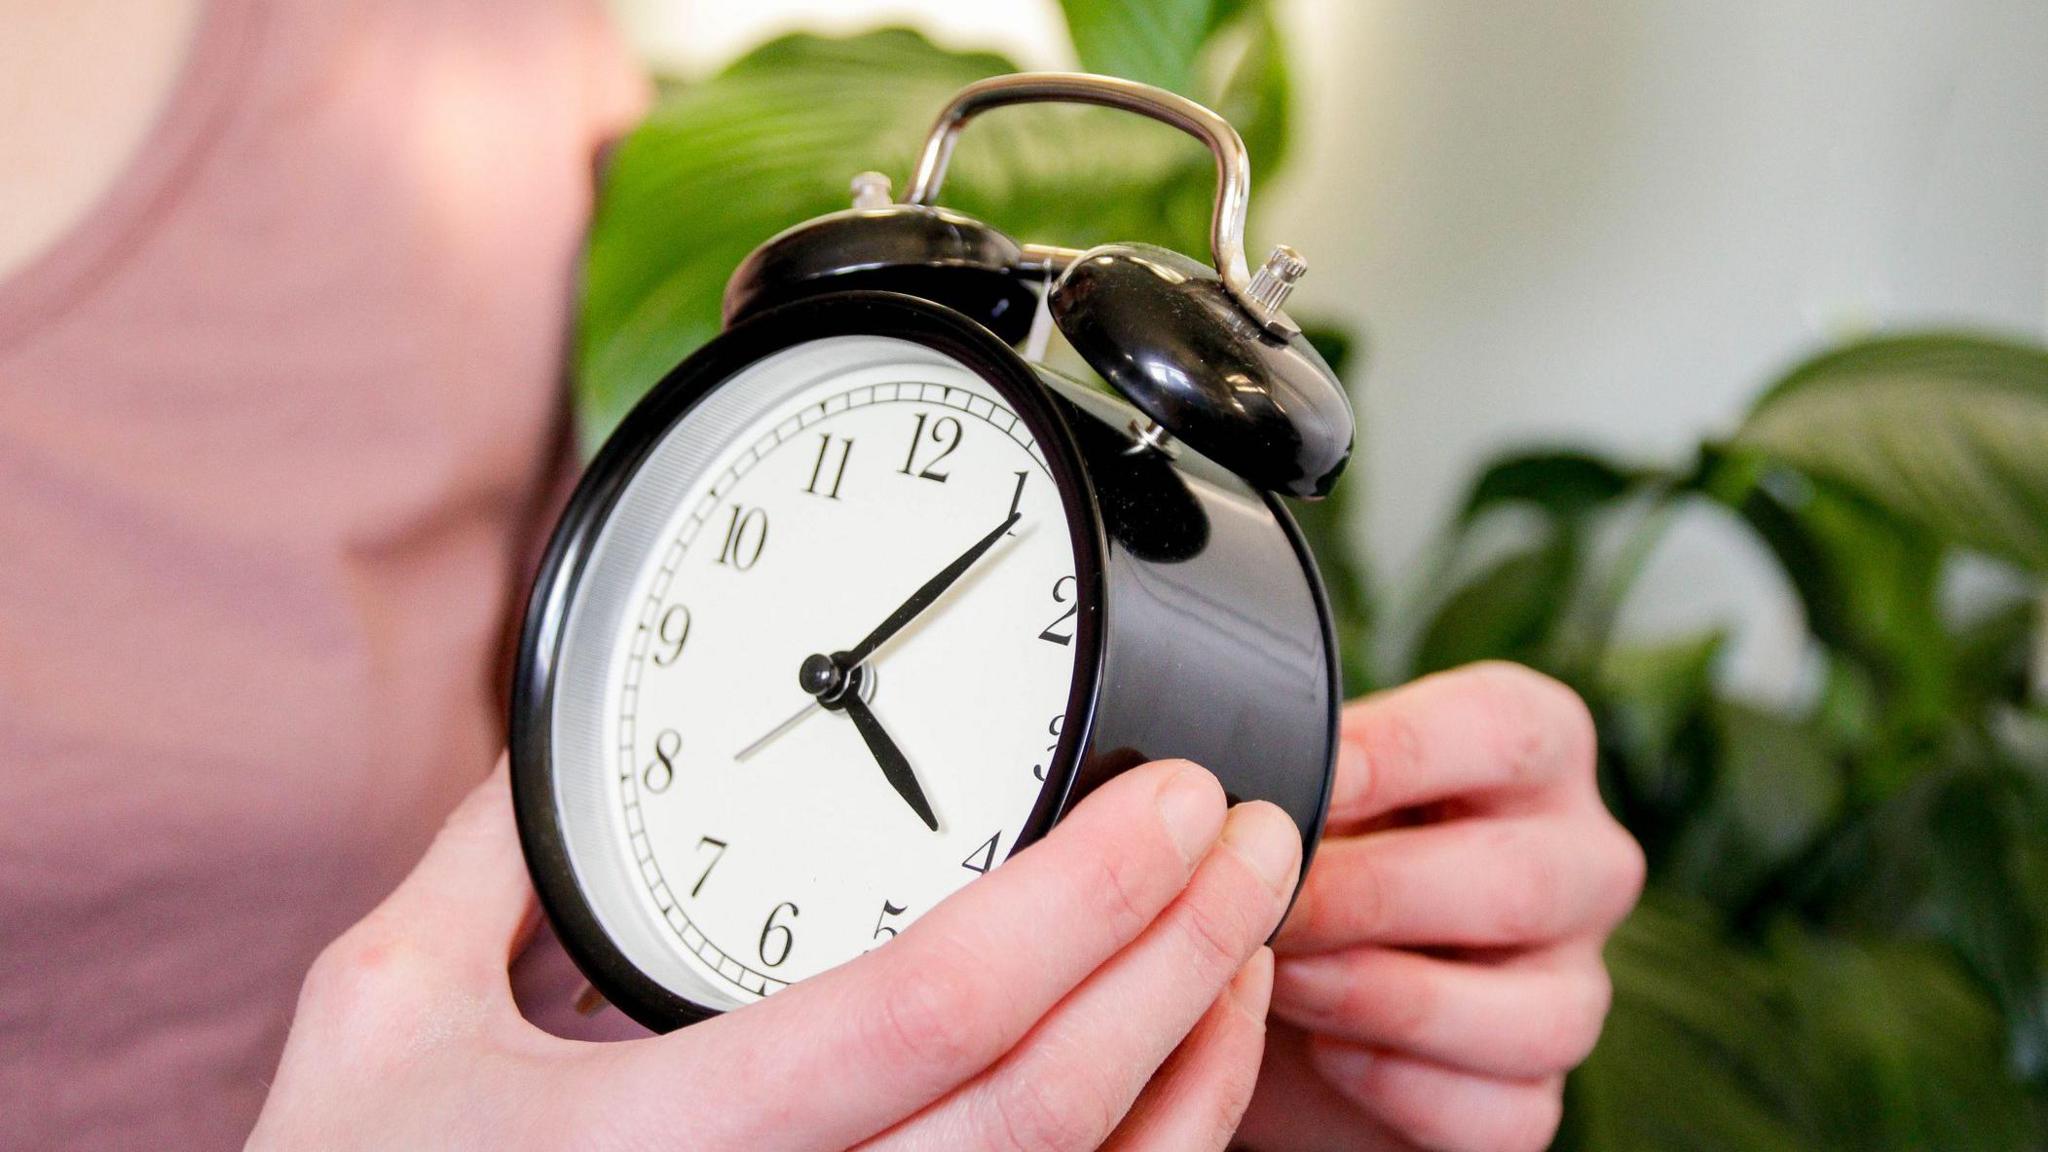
(468, 901)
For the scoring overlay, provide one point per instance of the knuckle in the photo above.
(1570, 1027)
(1118, 890)
(1632, 867)
(1542, 727)
(931, 1019)
(1394, 744)
(1226, 1106)
(1531, 1125)
(1216, 929)
(1595, 996)
(1365, 898)
(1531, 890)
(367, 964)
(1063, 1112)
(1418, 1121)
(1212, 936)
(1405, 1012)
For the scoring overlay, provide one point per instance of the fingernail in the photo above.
(1267, 840)
(1341, 1064)
(1190, 804)
(1252, 988)
(1317, 984)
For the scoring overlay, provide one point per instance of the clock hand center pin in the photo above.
(826, 678)
(865, 678)
(844, 682)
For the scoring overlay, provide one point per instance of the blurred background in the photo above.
(1696, 352)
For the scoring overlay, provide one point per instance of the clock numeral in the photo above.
(982, 858)
(884, 930)
(673, 631)
(1017, 498)
(1052, 729)
(717, 847)
(746, 533)
(819, 471)
(945, 431)
(1052, 631)
(777, 937)
(661, 771)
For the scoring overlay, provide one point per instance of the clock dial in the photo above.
(834, 619)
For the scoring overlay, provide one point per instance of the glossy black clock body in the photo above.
(1201, 630)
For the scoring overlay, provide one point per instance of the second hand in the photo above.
(865, 688)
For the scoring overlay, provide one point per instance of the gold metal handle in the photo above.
(1233, 164)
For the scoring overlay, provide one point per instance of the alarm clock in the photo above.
(859, 600)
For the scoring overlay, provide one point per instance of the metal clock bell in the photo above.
(859, 600)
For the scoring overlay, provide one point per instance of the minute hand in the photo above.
(923, 597)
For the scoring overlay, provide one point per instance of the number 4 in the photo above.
(983, 858)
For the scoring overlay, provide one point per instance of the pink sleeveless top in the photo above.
(277, 423)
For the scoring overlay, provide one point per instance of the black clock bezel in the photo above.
(934, 326)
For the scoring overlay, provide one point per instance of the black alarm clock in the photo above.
(859, 600)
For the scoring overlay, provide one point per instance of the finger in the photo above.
(1506, 883)
(1293, 1107)
(883, 1035)
(1199, 1096)
(1073, 1078)
(467, 905)
(1527, 1019)
(1441, 1109)
(1494, 733)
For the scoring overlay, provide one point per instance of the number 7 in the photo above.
(717, 855)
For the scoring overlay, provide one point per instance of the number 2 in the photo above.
(1052, 631)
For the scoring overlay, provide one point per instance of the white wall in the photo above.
(1606, 221)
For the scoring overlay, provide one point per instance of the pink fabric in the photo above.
(276, 423)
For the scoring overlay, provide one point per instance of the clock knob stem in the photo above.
(1275, 280)
(872, 190)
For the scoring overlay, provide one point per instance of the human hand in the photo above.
(1031, 1010)
(1441, 970)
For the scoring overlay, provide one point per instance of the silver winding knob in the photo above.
(1270, 285)
(872, 190)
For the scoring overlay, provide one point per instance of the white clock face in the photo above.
(735, 827)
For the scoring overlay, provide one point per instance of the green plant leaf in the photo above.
(1507, 612)
(771, 141)
(1560, 482)
(1869, 583)
(1659, 757)
(1150, 41)
(1256, 92)
(1979, 828)
(1948, 431)
(1693, 1056)
(724, 164)
(1776, 785)
(1808, 1042)
(1899, 1049)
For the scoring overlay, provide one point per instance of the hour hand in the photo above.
(890, 757)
